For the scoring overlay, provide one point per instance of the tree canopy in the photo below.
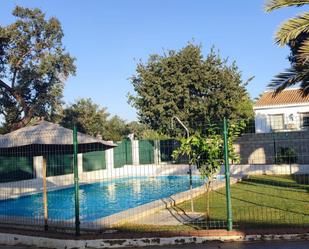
(33, 67)
(183, 83)
(142, 131)
(88, 117)
(116, 129)
(94, 120)
(295, 34)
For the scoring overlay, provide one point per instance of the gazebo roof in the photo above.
(47, 136)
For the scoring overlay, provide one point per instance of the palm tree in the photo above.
(294, 33)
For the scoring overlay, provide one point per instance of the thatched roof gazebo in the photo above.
(45, 138)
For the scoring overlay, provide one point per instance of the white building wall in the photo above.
(262, 119)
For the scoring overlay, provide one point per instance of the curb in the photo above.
(16, 239)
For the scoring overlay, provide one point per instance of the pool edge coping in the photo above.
(141, 211)
(126, 216)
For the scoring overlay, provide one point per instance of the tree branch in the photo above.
(28, 112)
(17, 66)
(5, 86)
(15, 94)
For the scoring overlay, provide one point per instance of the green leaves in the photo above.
(94, 120)
(206, 151)
(87, 116)
(294, 33)
(292, 28)
(277, 4)
(194, 88)
(33, 67)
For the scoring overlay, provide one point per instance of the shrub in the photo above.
(286, 155)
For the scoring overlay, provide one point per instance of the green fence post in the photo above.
(227, 176)
(76, 182)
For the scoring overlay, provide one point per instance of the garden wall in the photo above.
(267, 169)
(274, 148)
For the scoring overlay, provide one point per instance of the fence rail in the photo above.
(140, 186)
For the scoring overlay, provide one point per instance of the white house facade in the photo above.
(286, 111)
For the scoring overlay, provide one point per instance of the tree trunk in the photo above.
(28, 111)
(207, 200)
(22, 123)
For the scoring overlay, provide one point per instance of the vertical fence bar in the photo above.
(227, 176)
(45, 194)
(76, 182)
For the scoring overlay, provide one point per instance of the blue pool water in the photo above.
(100, 199)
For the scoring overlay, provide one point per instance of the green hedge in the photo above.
(94, 161)
(166, 149)
(16, 169)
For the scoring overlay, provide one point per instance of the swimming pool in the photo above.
(99, 199)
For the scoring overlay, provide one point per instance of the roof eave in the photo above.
(280, 106)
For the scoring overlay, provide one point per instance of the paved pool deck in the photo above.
(169, 213)
(172, 216)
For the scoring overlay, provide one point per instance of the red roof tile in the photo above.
(286, 97)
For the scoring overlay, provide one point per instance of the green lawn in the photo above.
(259, 201)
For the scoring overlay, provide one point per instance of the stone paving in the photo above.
(172, 216)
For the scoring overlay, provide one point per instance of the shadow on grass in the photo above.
(263, 193)
(281, 182)
(248, 213)
(301, 178)
(256, 217)
(245, 223)
(256, 204)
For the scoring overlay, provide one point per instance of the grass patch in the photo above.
(259, 201)
(130, 227)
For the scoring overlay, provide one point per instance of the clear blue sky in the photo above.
(107, 37)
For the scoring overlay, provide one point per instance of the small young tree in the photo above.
(207, 153)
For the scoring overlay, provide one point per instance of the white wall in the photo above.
(262, 121)
(241, 170)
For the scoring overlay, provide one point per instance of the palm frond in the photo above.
(305, 85)
(292, 28)
(277, 4)
(288, 78)
(303, 52)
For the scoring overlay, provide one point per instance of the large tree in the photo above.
(116, 129)
(89, 117)
(295, 34)
(142, 131)
(94, 120)
(183, 83)
(33, 67)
